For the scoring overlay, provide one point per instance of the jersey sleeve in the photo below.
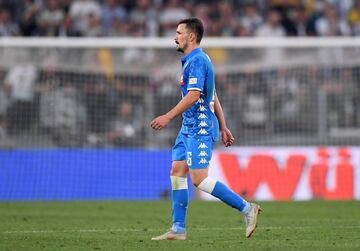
(197, 73)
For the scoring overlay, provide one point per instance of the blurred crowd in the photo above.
(49, 107)
(151, 18)
(54, 108)
(53, 105)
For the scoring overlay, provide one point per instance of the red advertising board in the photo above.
(289, 173)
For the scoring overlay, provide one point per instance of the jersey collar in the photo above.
(191, 54)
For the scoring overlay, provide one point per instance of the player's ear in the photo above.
(192, 36)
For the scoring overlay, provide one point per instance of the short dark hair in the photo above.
(194, 25)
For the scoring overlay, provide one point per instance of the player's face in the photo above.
(181, 38)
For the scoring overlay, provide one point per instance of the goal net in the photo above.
(75, 113)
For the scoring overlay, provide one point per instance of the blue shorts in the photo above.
(196, 150)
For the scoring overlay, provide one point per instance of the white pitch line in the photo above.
(72, 231)
(154, 230)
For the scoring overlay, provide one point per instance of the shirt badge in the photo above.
(182, 80)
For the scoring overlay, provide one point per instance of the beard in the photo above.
(178, 48)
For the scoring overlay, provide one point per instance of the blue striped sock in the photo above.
(180, 201)
(228, 196)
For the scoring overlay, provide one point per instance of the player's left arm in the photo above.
(189, 99)
(226, 135)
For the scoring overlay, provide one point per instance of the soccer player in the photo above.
(202, 119)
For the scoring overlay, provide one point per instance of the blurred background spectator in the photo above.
(50, 19)
(81, 12)
(353, 17)
(331, 24)
(159, 17)
(272, 26)
(124, 129)
(3, 108)
(7, 26)
(20, 83)
(111, 10)
(170, 14)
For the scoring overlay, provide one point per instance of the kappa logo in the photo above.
(202, 146)
(203, 124)
(202, 116)
(203, 161)
(200, 101)
(202, 108)
(203, 154)
(202, 131)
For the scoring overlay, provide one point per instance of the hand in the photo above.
(160, 122)
(226, 137)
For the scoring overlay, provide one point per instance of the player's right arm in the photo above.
(188, 100)
(226, 135)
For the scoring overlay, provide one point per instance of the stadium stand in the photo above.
(151, 18)
(109, 109)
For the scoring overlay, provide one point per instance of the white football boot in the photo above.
(251, 218)
(170, 235)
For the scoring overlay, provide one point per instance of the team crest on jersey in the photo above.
(192, 81)
(212, 107)
(182, 80)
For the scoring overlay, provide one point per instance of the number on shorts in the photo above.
(189, 154)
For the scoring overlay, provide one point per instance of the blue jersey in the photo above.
(198, 74)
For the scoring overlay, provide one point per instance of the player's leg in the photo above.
(201, 151)
(200, 179)
(179, 194)
(219, 190)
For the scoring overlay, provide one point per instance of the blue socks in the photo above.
(232, 199)
(225, 194)
(180, 201)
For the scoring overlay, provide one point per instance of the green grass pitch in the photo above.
(100, 225)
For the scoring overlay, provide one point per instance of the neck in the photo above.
(190, 49)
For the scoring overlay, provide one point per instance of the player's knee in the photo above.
(179, 169)
(197, 180)
(198, 175)
(178, 172)
(175, 172)
(207, 185)
(195, 183)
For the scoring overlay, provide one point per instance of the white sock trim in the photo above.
(207, 185)
(178, 183)
(247, 207)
